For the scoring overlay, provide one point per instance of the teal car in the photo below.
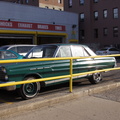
(9, 55)
(44, 69)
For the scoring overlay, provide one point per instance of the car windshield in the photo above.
(42, 52)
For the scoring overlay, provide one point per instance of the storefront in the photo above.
(25, 28)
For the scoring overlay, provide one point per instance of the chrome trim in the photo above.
(39, 68)
(33, 69)
(61, 80)
(9, 88)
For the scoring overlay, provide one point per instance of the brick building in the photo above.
(52, 4)
(49, 4)
(99, 21)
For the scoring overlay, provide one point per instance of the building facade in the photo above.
(99, 24)
(25, 2)
(23, 24)
(49, 4)
(52, 4)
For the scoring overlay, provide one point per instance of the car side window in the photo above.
(113, 49)
(36, 53)
(22, 50)
(79, 51)
(49, 52)
(64, 51)
(42, 52)
(8, 55)
(13, 49)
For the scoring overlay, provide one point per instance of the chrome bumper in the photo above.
(8, 88)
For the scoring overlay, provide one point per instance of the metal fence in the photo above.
(71, 75)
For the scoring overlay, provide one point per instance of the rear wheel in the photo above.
(30, 90)
(95, 78)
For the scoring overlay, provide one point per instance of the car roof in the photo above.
(62, 44)
(18, 45)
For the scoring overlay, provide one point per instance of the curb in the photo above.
(55, 100)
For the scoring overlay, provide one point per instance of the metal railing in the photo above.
(71, 75)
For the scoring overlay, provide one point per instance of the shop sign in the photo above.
(34, 26)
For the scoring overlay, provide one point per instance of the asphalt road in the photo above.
(12, 100)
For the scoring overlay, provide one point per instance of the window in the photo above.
(82, 2)
(18, 1)
(113, 49)
(64, 51)
(27, 1)
(82, 17)
(95, 1)
(7, 55)
(70, 3)
(105, 13)
(115, 13)
(96, 15)
(82, 34)
(115, 32)
(60, 1)
(96, 33)
(75, 52)
(82, 51)
(42, 52)
(46, 7)
(23, 50)
(105, 31)
(14, 49)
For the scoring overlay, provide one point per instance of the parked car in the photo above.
(44, 69)
(108, 51)
(22, 49)
(9, 54)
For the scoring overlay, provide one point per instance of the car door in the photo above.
(62, 67)
(82, 64)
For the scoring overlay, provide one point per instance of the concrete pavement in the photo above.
(85, 103)
(85, 108)
(84, 96)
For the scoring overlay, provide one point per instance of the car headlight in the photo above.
(3, 69)
(3, 74)
(6, 77)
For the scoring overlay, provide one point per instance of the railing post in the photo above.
(71, 75)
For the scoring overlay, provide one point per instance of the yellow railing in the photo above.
(71, 75)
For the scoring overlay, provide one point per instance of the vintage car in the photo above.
(108, 51)
(44, 69)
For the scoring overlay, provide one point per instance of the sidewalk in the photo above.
(66, 106)
(85, 108)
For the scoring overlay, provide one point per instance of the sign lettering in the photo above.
(34, 26)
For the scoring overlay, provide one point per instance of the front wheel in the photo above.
(30, 90)
(95, 78)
